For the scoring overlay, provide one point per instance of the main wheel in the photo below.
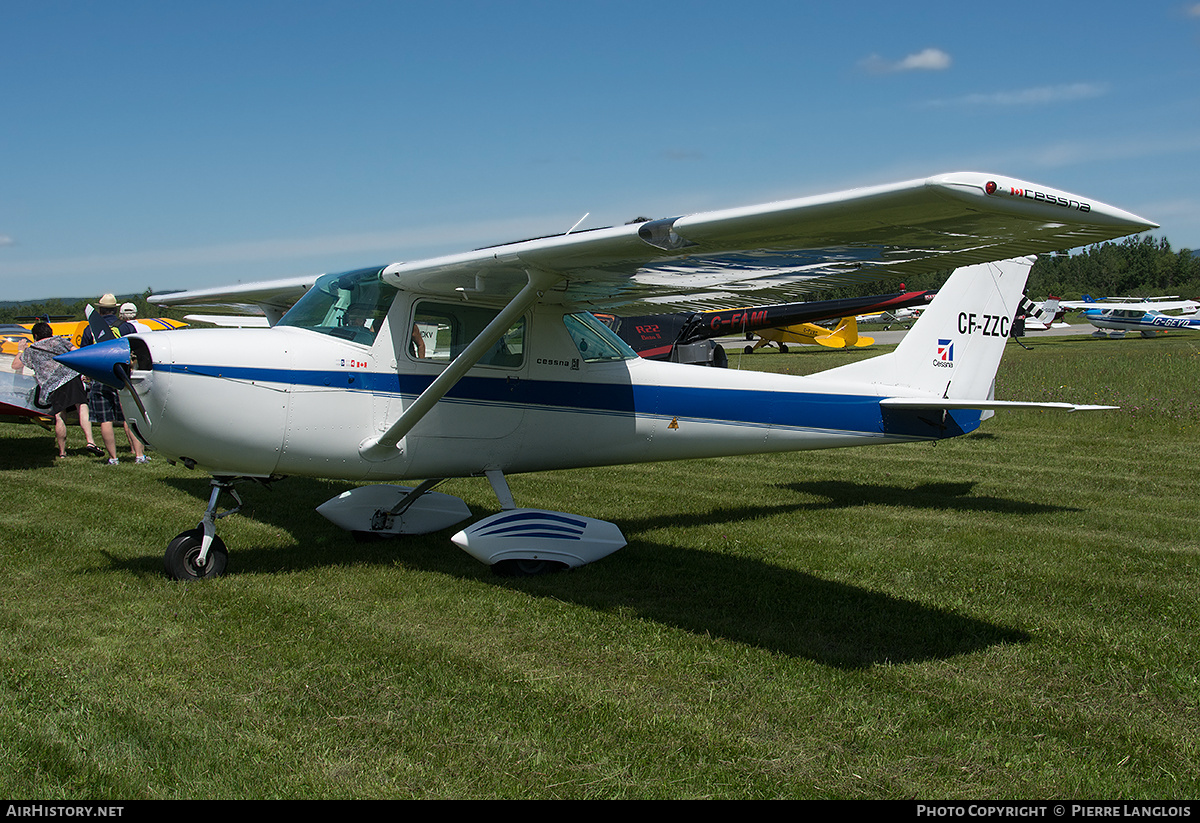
(720, 358)
(183, 553)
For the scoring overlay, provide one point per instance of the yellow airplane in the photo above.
(14, 333)
(844, 336)
(19, 397)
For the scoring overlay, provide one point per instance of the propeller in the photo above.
(101, 331)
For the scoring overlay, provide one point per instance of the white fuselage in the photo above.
(290, 401)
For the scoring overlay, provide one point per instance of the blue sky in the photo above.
(176, 145)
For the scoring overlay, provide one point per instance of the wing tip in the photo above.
(1010, 193)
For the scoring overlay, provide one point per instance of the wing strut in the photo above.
(383, 446)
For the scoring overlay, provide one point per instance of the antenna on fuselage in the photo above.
(577, 222)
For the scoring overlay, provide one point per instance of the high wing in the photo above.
(229, 321)
(757, 255)
(1187, 306)
(269, 298)
(779, 252)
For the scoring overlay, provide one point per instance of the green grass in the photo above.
(1007, 615)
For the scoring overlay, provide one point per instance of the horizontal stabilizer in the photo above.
(983, 405)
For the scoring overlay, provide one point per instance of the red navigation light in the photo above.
(991, 187)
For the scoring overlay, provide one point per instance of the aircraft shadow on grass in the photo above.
(28, 452)
(793, 613)
(950, 496)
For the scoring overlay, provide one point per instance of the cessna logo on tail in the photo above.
(945, 354)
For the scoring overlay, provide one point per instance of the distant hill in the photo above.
(121, 298)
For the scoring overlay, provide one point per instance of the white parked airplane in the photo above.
(489, 363)
(1042, 316)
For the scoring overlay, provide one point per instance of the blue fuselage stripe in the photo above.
(746, 407)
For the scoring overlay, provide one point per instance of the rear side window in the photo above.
(440, 331)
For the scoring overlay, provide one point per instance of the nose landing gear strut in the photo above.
(198, 553)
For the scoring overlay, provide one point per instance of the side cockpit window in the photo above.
(440, 332)
(351, 305)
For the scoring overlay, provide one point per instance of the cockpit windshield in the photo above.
(351, 305)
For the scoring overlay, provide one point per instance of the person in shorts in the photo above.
(60, 386)
(104, 401)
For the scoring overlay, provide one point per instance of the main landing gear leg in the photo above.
(198, 553)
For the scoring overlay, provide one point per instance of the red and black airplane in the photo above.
(686, 337)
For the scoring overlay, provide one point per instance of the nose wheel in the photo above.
(198, 554)
(186, 558)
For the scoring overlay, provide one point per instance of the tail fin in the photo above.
(1044, 314)
(1039, 312)
(845, 335)
(954, 349)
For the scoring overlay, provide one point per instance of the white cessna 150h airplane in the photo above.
(490, 363)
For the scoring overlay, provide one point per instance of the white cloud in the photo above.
(930, 59)
(927, 60)
(1038, 96)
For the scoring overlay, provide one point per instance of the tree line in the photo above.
(67, 308)
(1139, 266)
